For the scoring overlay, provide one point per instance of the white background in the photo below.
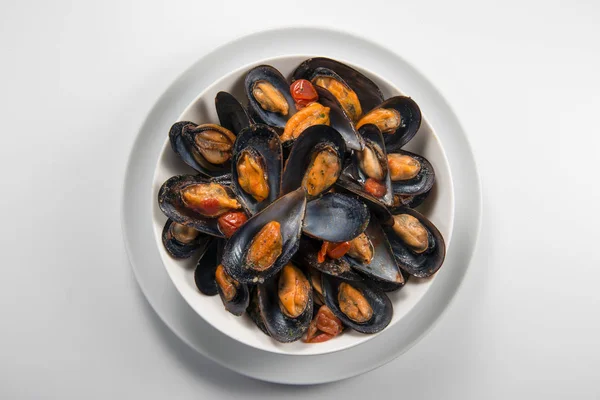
(76, 81)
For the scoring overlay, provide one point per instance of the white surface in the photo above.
(76, 83)
(439, 208)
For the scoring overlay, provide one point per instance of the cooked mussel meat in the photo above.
(322, 172)
(313, 114)
(234, 295)
(212, 142)
(269, 98)
(182, 241)
(402, 167)
(265, 247)
(208, 199)
(371, 161)
(252, 174)
(412, 232)
(361, 249)
(342, 92)
(411, 174)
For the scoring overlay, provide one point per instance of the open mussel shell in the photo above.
(383, 267)
(401, 201)
(421, 183)
(232, 115)
(276, 79)
(171, 204)
(263, 142)
(307, 255)
(421, 265)
(314, 139)
(335, 217)
(204, 275)
(239, 303)
(280, 326)
(182, 241)
(410, 115)
(367, 91)
(339, 120)
(377, 299)
(373, 140)
(288, 211)
(182, 135)
(253, 310)
(345, 184)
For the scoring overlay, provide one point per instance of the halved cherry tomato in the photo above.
(323, 327)
(375, 187)
(333, 250)
(303, 93)
(231, 222)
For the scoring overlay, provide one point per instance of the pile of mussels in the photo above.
(302, 208)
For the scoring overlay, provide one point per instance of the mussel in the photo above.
(359, 305)
(196, 202)
(204, 274)
(264, 244)
(411, 174)
(408, 201)
(371, 166)
(207, 148)
(232, 115)
(315, 161)
(286, 304)
(348, 185)
(417, 244)
(313, 114)
(234, 295)
(369, 95)
(370, 254)
(335, 217)
(339, 120)
(256, 167)
(181, 241)
(398, 118)
(269, 98)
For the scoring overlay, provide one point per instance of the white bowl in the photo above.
(439, 208)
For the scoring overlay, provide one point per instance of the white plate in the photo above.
(137, 209)
(439, 208)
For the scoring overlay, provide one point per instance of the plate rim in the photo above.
(476, 198)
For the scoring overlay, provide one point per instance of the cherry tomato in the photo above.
(231, 222)
(303, 93)
(322, 252)
(375, 188)
(323, 327)
(333, 250)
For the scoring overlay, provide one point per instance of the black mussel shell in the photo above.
(367, 91)
(424, 264)
(314, 138)
(253, 311)
(307, 256)
(379, 302)
(421, 183)
(401, 201)
(373, 138)
(170, 203)
(181, 137)
(383, 266)
(289, 212)
(409, 126)
(387, 286)
(204, 275)
(339, 120)
(335, 217)
(346, 184)
(179, 249)
(280, 326)
(262, 141)
(240, 301)
(232, 115)
(274, 77)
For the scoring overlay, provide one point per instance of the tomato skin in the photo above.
(333, 250)
(375, 188)
(303, 92)
(231, 222)
(323, 327)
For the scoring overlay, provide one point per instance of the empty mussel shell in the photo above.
(307, 255)
(398, 118)
(269, 98)
(335, 217)
(382, 265)
(172, 204)
(286, 304)
(315, 161)
(232, 115)
(204, 274)
(267, 241)
(410, 180)
(418, 245)
(359, 304)
(181, 241)
(257, 167)
(367, 91)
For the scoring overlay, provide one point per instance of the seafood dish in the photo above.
(301, 211)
